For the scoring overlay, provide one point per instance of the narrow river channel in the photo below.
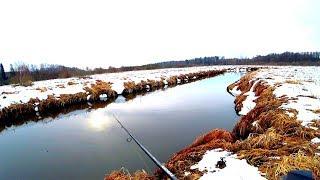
(86, 144)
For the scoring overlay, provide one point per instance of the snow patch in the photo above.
(103, 97)
(300, 84)
(234, 91)
(118, 87)
(248, 104)
(315, 140)
(235, 168)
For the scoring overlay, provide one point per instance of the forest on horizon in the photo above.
(25, 74)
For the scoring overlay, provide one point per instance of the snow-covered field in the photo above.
(18, 94)
(300, 84)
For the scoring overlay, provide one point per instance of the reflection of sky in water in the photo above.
(98, 120)
(86, 144)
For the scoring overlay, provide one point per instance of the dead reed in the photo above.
(267, 137)
(296, 161)
(184, 159)
(125, 175)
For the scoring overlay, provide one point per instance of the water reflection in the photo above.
(99, 120)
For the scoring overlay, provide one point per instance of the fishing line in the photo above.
(162, 167)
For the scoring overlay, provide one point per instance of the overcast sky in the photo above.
(130, 32)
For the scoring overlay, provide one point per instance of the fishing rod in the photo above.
(162, 167)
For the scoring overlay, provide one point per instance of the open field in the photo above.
(278, 130)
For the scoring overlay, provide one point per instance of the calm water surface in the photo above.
(87, 144)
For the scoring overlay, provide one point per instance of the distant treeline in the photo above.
(25, 74)
(287, 58)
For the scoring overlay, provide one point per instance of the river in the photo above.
(88, 143)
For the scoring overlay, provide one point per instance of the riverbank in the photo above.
(44, 97)
(278, 130)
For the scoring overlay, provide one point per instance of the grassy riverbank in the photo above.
(278, 130)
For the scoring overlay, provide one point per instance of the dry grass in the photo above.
(100, 87)
(239, 102)
(268, 137)
(259, 88)
(172, 81)
(213, 135)
(17, 111)
(297, 161)
(293, 82)
(184, 159)
(42, 89)
(269, 140)
(26, 83)
(125, 175)
(317, 111)
(245, 83)
(70, 83)
(150, 85)
(61, 86)
(267, 106)
(8, 92)
(130, 87)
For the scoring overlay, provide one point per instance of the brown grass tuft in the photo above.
(184, 159)
(61, 86)
(297, 161)
(293, 82)
(26, 83)
(42, 89)
(99, 88)
(215, 134)
(245, 83)
(71, 83)
(317, 111)
(123, 175)
(129, 87)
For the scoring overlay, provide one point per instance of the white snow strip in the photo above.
(248, 104)
(235, 168)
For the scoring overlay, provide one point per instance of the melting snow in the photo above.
(103, 97)
(315, 140)
(248, 104)
(235, 168)
(235, 92)
(300, 84)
